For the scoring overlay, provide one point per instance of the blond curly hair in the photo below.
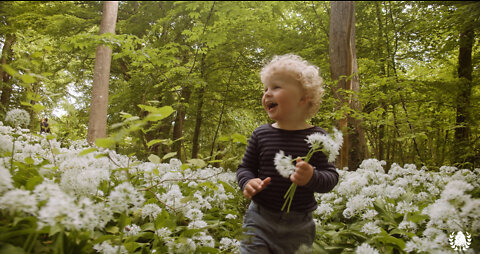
(306, 73)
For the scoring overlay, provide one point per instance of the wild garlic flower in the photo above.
(365, 248)
(151, 211)
(283, 164)
(371, 228)
(330, 144)
(131, 230)
(106, 248)
(17, 117)
(19, 200)
(6, 182)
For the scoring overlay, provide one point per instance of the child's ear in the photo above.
(305, 99)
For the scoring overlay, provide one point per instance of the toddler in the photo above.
(292, 95)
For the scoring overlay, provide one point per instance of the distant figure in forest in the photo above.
(44, 126)
(292, 95)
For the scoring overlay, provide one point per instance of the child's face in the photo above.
(284, 99)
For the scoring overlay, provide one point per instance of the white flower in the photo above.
(369, 214)
(373, 165)
(183, 245)
(408, 226)
(371, 228)
(202, 239)
(365, 249)
(132, 230)
(197, 224)
(229, 244)
(6, 143)
(194, 214)
(324, 210)
(17, 117)
(151, 211)
(106, 248)
(456, 190)
(230, 216)
(173, 197)
(83, 180)
(356, 205)
(6, 182)
(330, 143)
(62, 210)
(125, 198)
(403, 207)
(164, 232)
(19, 200)
(283, 164)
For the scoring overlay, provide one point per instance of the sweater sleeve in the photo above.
(325, 176)
(248, 169)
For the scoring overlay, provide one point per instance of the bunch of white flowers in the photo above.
(283, 164)
(328, 144)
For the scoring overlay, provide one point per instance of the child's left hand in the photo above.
(303, 173)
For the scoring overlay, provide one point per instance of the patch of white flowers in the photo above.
(441, 197)
(87, 192)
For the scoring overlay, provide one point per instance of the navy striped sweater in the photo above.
(257, 162)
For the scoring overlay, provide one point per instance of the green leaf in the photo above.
(197, 163)
(157, 114)
(105, 142)
(29, 161)
(10, 249)
(156, 141)
(26, 78)
(131, 246)
(56, 151)
(33, 182)
(24, 103)
(38, 108)
(87, 151)
(154, 158)
(239, 138)
(205, 249)
(169, 155)
(112, 230)
(10, 70)
(388, 239)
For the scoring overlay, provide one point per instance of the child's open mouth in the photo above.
(271, 105)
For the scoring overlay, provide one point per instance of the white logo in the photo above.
(460, 241)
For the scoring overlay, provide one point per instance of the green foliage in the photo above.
(202, 60)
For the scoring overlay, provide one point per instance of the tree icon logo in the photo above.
(460, 241)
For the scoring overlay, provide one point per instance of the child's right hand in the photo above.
(254, 186)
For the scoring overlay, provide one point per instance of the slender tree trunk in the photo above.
(198, 124)
(184, 98)
(465, 68)
(343, 63)
(97, 122)
(6, 87)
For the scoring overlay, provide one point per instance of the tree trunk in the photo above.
(465, 68)
(184, 98)
(6, 87)
(97, 122)
(344, 70)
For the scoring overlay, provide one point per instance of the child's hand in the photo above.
(302, 174)
(254, 186)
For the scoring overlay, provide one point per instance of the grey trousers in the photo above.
(269, 232)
